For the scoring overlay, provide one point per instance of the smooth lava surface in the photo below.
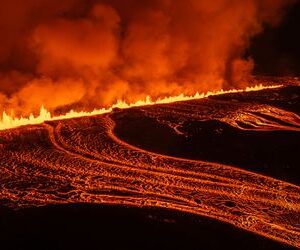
(213, 173)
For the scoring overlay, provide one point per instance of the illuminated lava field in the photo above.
(222, 157)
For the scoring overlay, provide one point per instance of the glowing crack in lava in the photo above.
(86, 160)
(7, 121)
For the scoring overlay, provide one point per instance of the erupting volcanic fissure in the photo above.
(184, 123)
(69, 54)
(8, 121)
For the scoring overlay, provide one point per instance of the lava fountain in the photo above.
(8, 122)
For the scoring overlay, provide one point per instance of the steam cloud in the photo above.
(86, 54)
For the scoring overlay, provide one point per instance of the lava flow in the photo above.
(7, 121)
(106, 159)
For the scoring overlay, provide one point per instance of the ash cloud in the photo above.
(86, 54)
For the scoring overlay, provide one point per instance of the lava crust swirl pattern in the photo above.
(93, 160)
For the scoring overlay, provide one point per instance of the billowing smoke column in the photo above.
(86, 54)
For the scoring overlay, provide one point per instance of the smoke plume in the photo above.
(86, 54)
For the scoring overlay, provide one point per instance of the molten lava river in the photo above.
(230, 157)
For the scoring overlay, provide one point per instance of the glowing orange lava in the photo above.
(105, 160)
(8, 121)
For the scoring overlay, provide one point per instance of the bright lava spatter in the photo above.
(8, 122)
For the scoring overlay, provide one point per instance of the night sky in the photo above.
(277, 50)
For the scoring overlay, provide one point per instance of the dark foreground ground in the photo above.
(83, 226)
(257, 131)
